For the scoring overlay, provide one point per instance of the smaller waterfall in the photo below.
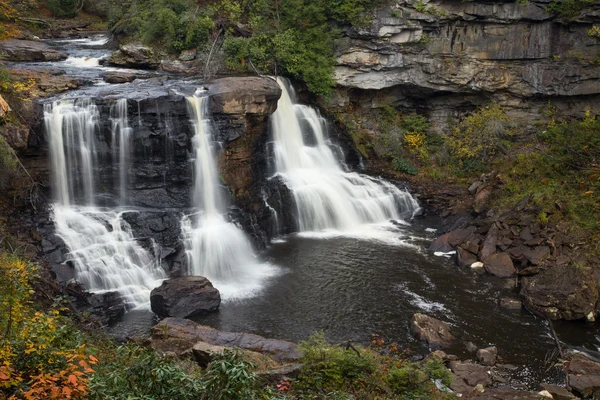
(121, 133)
(101, 246)
(327, 197)
(216, 248)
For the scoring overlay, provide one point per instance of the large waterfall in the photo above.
(101, 246)
(327, 197)
(216, 248)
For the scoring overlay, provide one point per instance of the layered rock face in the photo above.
(443, 57)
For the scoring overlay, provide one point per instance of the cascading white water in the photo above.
(326, 196)
(121, 133)
(216, 248)
(101, 245)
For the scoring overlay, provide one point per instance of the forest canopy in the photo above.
(290, 37)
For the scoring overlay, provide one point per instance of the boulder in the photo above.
(481, 199)
(557, 392)
(487, 356)
(180, 335)
(503, 393)
(562, 292)
(185, 297)
(118, 77)
(285, 373)
(29, 50)
(134, 55)
(244, 95)
(433, 331)
(489, 244)
(537, 254)
(465, 258)
(204, 354)
(584, 376)
(470, 374)
(500, 265)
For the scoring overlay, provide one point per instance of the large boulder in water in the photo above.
(562, 292)
(180, 335)
(185, 297)
(499, 264)
(584, 376)
(29, 50)
(433, 331)
(134, 55)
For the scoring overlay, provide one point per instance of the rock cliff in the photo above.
(443, 57)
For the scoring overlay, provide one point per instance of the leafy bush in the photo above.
(402, 165)
(478, 137)
(229, 377)
(568, 9)
(332, 367)
(131, 372)
(64, 8)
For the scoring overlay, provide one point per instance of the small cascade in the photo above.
(216, 248)
(327, 197)
(101, 245)
(121, 134)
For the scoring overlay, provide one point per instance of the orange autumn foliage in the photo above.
(8, 17)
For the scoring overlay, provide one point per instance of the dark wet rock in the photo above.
(16, 135)
(470, 374)
(185, 297)
(510, 303)
(441, 244)
(584, 376)
(29, 50)
(536, 255)
(108, 307)
(525, 234)
(489, 244)
(118, 77)
(563, 292)
(557, 392)
(433, 331)
(134, 55)
(499, 264)
(180, 335)
(204, 353)
(471, 246)
(487, 356)
(473, 188)
(465, 258)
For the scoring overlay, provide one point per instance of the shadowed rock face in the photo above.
(562, 292)
(450, 55)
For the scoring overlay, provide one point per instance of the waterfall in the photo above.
(101, 246)
(216, 248)
(327, 197)
(121, 133)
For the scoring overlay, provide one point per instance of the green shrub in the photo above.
(133, 372)
(436, 369)
(409, 378)
(332, 367)
(64, 8)
(402, 165)
(229, 377)
(415, 123)
(568, 9)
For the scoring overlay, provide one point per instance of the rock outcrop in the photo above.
(428, 329)
(562, 292)
(442, 57)
(134, 55)
(29, 50)
(118, 77)
(584, 376)
(185, 297)
(180, 335)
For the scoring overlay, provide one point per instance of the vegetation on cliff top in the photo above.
(290, 37)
